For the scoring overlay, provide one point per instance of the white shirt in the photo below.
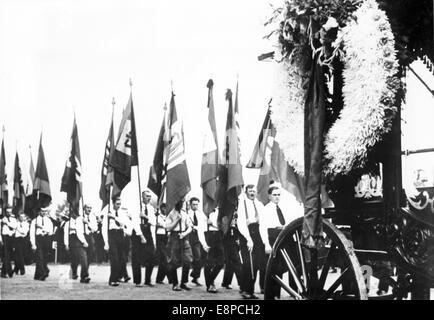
(22, 230)
(205, 224)
(269, 218)
(161, 223)
(40, 226)
(136, 220)
(9, 226)
(181, 226)
(74, 226)
(90, 223)
(248, 212)
(124, 223)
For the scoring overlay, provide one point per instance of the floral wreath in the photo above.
(359, 34)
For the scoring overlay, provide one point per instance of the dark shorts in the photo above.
(179, 250)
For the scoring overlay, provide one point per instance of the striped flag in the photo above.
(231, 178)
(107, 170)
(71, 179)
(125, 154)
(3, 177)
(19, 195)
(210, 158)
(41, 187)
(157, 173)
(178, 182)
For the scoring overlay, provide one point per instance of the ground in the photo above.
(59, 286)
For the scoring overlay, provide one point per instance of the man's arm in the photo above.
(202, 228)
(242, 223)
(32, 233)
(80, 232)
(172, 219)
(66, 235)
(263, 228)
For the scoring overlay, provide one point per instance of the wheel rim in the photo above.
(308, 271)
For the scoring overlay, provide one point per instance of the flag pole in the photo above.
(138, 166)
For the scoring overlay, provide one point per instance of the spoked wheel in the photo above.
(297, 273)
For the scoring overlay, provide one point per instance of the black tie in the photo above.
(194, 219)
(117, 223)
(145, 219)
(280, 215)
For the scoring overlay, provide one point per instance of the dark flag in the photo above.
(178, 182)
(107, 170)
(30, 182)
(3, 178)
(19, 194)
(268, 156)
(41, 187)
(71, 179)
(231, 178)
(124, 155)
(210, 158)
(157, 172)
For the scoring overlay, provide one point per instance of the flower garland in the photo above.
(365, 44)
(369, 89)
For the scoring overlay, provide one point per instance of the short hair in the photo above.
(194, 199)
(272, 188)
(147, 191)
(179, 204)
(249, 186)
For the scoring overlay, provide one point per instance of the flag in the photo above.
(41, 187)
(124, 155)
(71, 179)
(107, 170)
(210, 158)
(178, 182)
(231, 178)
(19, 195)
(30, 177)
(157, 172)
(3, 177)
(268, 156)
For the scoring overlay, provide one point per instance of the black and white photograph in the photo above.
(202, 150)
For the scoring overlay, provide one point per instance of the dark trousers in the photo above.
(180, 255)
(100, 253)
(116, 255)
(20, 247)
(196, 250)
(43, 248)
(161, 254)
(215, 256)
(139, 258)
(125, 255)
(278, 269)
(90, 250)
(8, 251)
(78, 256)
(258, 262)
(232, 260)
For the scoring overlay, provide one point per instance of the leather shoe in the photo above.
(212, 289)
(228, 287)
(185, 287)
(160, 282)
(126, 279)
(149, 285)
(196, 282)
(176, 288)
(114, 284)
(74, 277)
(85, 280)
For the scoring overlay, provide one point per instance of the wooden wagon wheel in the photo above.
(309, 272)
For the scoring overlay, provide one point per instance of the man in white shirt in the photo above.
(161, 243)
(196, 247)
(21, 233)
(274, 218)
(113, 225)
(251, 244)
(41, 231)
(178, 246)
(212, 242)
(90, 228)
(9, 225)
(143, 239)
(76, 244)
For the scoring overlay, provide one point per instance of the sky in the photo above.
(62, 56)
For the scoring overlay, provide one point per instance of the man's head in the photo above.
(194, 203)
(117, 202)
(274, 194)
(22, 216)
(146, 196)
(250, 191)
(87, 208)
(8, 211)
(179, 204)
(44, 211)
(163, 209)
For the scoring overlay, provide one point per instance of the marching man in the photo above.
(9, 225)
